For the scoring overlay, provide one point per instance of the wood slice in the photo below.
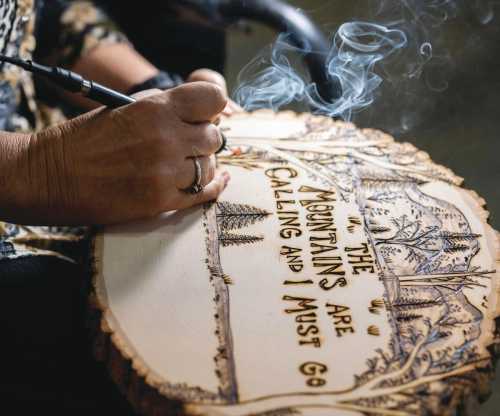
(341, 273)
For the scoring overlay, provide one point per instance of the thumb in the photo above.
(197, 102)
(146, 93)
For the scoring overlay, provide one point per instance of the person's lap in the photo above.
(45, 351)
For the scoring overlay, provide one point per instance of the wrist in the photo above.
(162, 81)
(17, 191)
(33, 171)
(49, 178)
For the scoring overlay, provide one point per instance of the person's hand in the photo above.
(214, 77)
(111, 166)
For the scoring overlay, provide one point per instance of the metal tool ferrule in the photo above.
(86, 87)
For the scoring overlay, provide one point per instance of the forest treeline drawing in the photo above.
(232, 217)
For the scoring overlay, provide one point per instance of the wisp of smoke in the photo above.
(357, 47)
(408, 37)
(275, 86)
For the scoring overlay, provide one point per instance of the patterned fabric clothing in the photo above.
(60, 31)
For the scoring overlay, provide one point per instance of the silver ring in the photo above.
(223, 144)
(196, 187)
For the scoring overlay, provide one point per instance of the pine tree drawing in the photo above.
(232, 217)
(457, 242)
(456, 237)
(228, 239)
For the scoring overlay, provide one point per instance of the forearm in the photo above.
(79, 35)
(117, 66)
(18, 184)
(35, 187)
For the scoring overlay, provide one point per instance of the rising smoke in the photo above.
(402, 49)
(357, 47)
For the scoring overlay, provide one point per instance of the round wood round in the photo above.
(340, 273)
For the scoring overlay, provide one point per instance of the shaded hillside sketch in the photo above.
(425, 250)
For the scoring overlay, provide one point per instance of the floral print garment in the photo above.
(62, 31)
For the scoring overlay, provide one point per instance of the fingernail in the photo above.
(227, 177)
(228, 110)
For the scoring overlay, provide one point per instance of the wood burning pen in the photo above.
(73, 82)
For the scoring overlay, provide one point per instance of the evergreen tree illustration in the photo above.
(378, 180)
(410, 303)
(456, 248)
(408, 317)
(228, 239)
(457, 242)
(234, 216)
(454, 238)
(376, 229)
